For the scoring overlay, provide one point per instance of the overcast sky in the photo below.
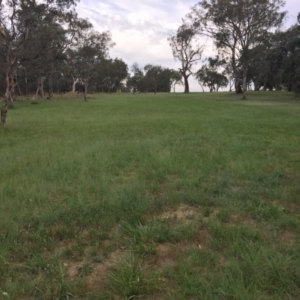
(140, 27)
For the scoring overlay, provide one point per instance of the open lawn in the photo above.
(165, 196)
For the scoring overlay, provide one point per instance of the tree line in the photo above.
(252, 48)
(47, 48)
(152, 78)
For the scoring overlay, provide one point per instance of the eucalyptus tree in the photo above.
(47, 42)
(18, 19)
(160, 79)
(89, 55)
(168, 79)
(110, 75)
(155, 79)
(187, 50)
(153, 76)
(236, 26)
(55, 35)
(276, 63)
(136, 82)
(210, 75)
(291, 61)
(259, 67)
(71, 67)
(175, 79)
(52, 34)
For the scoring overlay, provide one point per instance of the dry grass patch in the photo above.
(72, 95)
(165, 257)
(288, 238)
(203, 239)
(97, 279)
(242, 219)
(183, 213)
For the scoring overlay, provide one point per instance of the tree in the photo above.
(110, 75)
(291, 61)
(276, 63)
(47, 39)
(18, 18)
(153, 76)
(113, 72)
(236, 26)
(89, 56)
(175, 78)
(209, 76)
(186, 49)
(259, 67)
(155, 79)
(77, 34)
(136, 82)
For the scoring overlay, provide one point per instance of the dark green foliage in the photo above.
(156, 79)
(209, 76)
(276, 64)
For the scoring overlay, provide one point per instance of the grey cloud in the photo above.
(123, 24)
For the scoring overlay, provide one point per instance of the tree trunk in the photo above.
(8, 98)
(10, 90)
(4, 113)
(245, 69)
(57, 87)
(186, 84)
(26, 82)
(17, 85)
(201, 87)
(256, 85)
(85, 92)
(230, 84)
(19, 90)
(12, 84)
(265, 85)
(50, 87)
(40, 87)
(74, 81)
(237, 84)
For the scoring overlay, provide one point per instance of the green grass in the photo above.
(165, 196)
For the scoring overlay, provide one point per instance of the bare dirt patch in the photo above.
(72, 269)
(203, 239)
(97, 280)
(184, 213)
(294, 207)
(165, 257)
(214, 214)
(241, 220)
(288, 238)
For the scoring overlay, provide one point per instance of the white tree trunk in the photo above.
(75, 80)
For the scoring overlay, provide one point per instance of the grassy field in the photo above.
(165, 196)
